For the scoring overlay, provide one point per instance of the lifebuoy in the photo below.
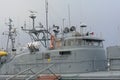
(52, 40)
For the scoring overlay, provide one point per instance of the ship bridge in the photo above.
(83, 40)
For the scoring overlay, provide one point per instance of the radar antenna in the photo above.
(32, 16)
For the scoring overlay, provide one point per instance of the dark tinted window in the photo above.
(65, 52)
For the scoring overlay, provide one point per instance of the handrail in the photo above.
(39, 72)
(19, 73)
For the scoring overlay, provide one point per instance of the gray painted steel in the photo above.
(80, 60)
(75, 59)
(113, 53)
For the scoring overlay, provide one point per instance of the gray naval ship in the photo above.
(69, 55)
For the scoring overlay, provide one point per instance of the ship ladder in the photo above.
(53, 77)
(19, 76)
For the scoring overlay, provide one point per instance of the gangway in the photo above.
(32, 76)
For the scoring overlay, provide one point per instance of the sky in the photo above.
(101, 16)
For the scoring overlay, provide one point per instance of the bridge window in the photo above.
(94, 43)
(89, 42)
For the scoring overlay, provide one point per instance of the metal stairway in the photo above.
(18, 76)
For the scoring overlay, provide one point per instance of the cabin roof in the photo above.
(85, 38)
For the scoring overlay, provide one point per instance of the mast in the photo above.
(63, 23)
(46, 7)
(40, 34)
(11, 36)
(33, 18)
(69, 15)
(63, 27)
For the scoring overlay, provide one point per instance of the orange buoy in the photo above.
(52, 39)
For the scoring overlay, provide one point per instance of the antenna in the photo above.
(62, 29)
(46, 7)
(63, 23)
(32, 16)
(69, 15)
(11, 35)
(82, 26)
